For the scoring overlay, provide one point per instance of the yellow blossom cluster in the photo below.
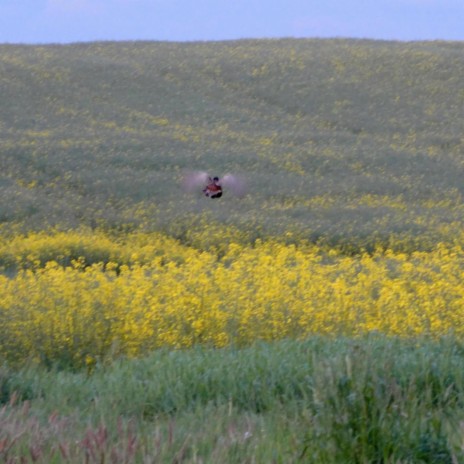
(151, 291)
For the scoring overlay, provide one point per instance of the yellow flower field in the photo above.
(81, 297)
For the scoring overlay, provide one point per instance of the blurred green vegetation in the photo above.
(345, 142)
(375, 400)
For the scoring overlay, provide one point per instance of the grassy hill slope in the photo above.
(348, 143)
(341, 141)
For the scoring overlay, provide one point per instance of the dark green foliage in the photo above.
(371, 400)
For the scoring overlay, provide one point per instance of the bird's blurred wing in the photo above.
(235, 183)
(195, 181)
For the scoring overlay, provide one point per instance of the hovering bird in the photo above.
(213, 189)
(213, 186)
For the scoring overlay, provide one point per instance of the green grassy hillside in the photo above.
(351, 144)
(341, 141)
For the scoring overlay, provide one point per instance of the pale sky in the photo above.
(64, 21)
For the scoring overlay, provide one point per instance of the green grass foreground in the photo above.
(374, 400)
